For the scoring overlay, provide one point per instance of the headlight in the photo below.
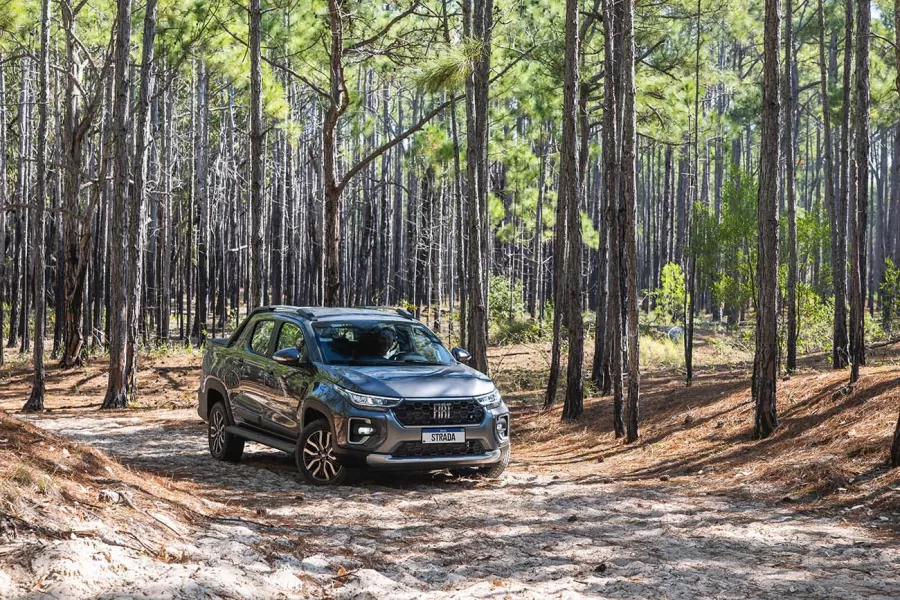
(491, 400)
(369, 401)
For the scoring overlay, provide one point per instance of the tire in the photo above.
(314, 455)
(223, 446)
(495, 470)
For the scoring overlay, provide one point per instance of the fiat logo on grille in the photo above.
(441, 410)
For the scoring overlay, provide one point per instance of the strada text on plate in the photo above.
(456, 435)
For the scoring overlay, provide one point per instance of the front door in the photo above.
(289, 383)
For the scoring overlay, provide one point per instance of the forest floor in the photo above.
(129, 504)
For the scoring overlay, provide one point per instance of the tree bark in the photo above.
(841, 338)
(629, 203)
(790, 112)
(256, 160)
(858, 233)
(766, 359)
(35, 400)
(116, 390)
(570, 201)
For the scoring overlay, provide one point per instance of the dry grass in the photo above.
(830, 450)
(49, 487)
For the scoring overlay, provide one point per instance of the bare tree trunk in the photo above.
(3, 201)
(629, 203)
(612, 173)
(790, 112)
(766, 359)
(201, 132)
(35, 401)
(841, 339)
(116, 390)
(570, 202)
(256, 160)
(858, 233)
(479, 24)
(838, 265)
(338, 102)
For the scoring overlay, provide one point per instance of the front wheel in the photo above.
(315, 455)
(495, 470)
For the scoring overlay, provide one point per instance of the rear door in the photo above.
(289, 384)
(255, 372)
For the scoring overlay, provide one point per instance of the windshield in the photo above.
(361, 342)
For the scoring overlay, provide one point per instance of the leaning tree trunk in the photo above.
(858, 234)
(116, 390)
(766, 359)
(36, 399)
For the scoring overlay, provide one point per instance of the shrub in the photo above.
(671, 296)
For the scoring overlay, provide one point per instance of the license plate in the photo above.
(444, 436)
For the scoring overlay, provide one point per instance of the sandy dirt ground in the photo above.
(534, 534)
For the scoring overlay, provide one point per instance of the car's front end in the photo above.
(422, 433)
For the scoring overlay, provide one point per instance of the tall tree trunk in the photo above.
(256, 160)
(3, 201)
(612, 173)
(570, 200)
(838, 263)
(858, 233)
(116, 390)
(789, 181)
(36, 398)
(766, 359)
(629, 203)
(841, 338)
(338, 102)
(479, 23)
(200, 174)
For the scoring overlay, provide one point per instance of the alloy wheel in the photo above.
(217, 427)
(318, 456)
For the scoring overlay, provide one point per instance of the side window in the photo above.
(292, 337)
(259, 339)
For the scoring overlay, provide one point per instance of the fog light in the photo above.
(503, 428)
(360, 430)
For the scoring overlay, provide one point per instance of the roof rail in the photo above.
(400, 311)
(306, 314)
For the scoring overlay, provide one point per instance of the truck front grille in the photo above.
(418, 413)
(418, 449)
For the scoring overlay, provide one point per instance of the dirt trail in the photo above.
(529, 536)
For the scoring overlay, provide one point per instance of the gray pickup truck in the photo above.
(342, 388)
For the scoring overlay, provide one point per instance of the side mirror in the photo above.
(287, 356)
(461, 355)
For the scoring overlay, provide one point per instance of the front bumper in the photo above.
(382, 450)
(387, 461)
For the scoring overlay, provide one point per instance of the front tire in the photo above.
(223, 445)
(495, 470)
(315, 455)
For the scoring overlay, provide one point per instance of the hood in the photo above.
(411, 381)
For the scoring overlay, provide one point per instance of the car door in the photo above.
(289, 383)
(255, 373)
